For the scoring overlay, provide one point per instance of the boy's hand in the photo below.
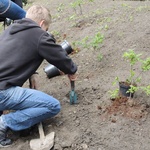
(33, 81)
(72, 77)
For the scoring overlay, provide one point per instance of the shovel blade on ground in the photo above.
(45, 144)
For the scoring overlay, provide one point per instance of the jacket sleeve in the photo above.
(55, 54)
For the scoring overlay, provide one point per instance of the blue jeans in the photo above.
(31, 107)
(9, 9)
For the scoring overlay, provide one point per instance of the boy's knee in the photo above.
(56, 108)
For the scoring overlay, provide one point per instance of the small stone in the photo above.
(57, 147)
(84, 146)
(65, 144)
(113, 120)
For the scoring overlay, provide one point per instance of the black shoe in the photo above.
(4, 141)
(1, 112)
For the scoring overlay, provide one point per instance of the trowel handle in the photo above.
(72, 85)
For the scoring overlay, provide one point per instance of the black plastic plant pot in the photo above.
(123, 88)
(66, 46)
(51, 71)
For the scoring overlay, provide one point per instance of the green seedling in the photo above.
(75, 46)
(84, 42)
(132, 58)
(131, 18)
(55, 32)
(93, 42)
(133, 80)
(107, 19)
(97, 40)
(73, 17)
(100, 57)
(91, 0)
(106, 27)
(140, 8)
(146, 64)
(114, 94)
(77, 3)
(125, 5)
(60, 7)
(146, 90)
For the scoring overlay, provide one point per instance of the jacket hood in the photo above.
(23, 24)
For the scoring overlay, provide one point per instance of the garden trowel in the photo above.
(45, 142)
(73, 95)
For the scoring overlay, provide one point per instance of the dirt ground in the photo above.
(96, 122)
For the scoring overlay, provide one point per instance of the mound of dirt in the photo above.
(126, 107)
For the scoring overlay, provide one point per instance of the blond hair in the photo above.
(38, 13)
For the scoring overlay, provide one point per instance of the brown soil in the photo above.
(96, 122)
(126, 107)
